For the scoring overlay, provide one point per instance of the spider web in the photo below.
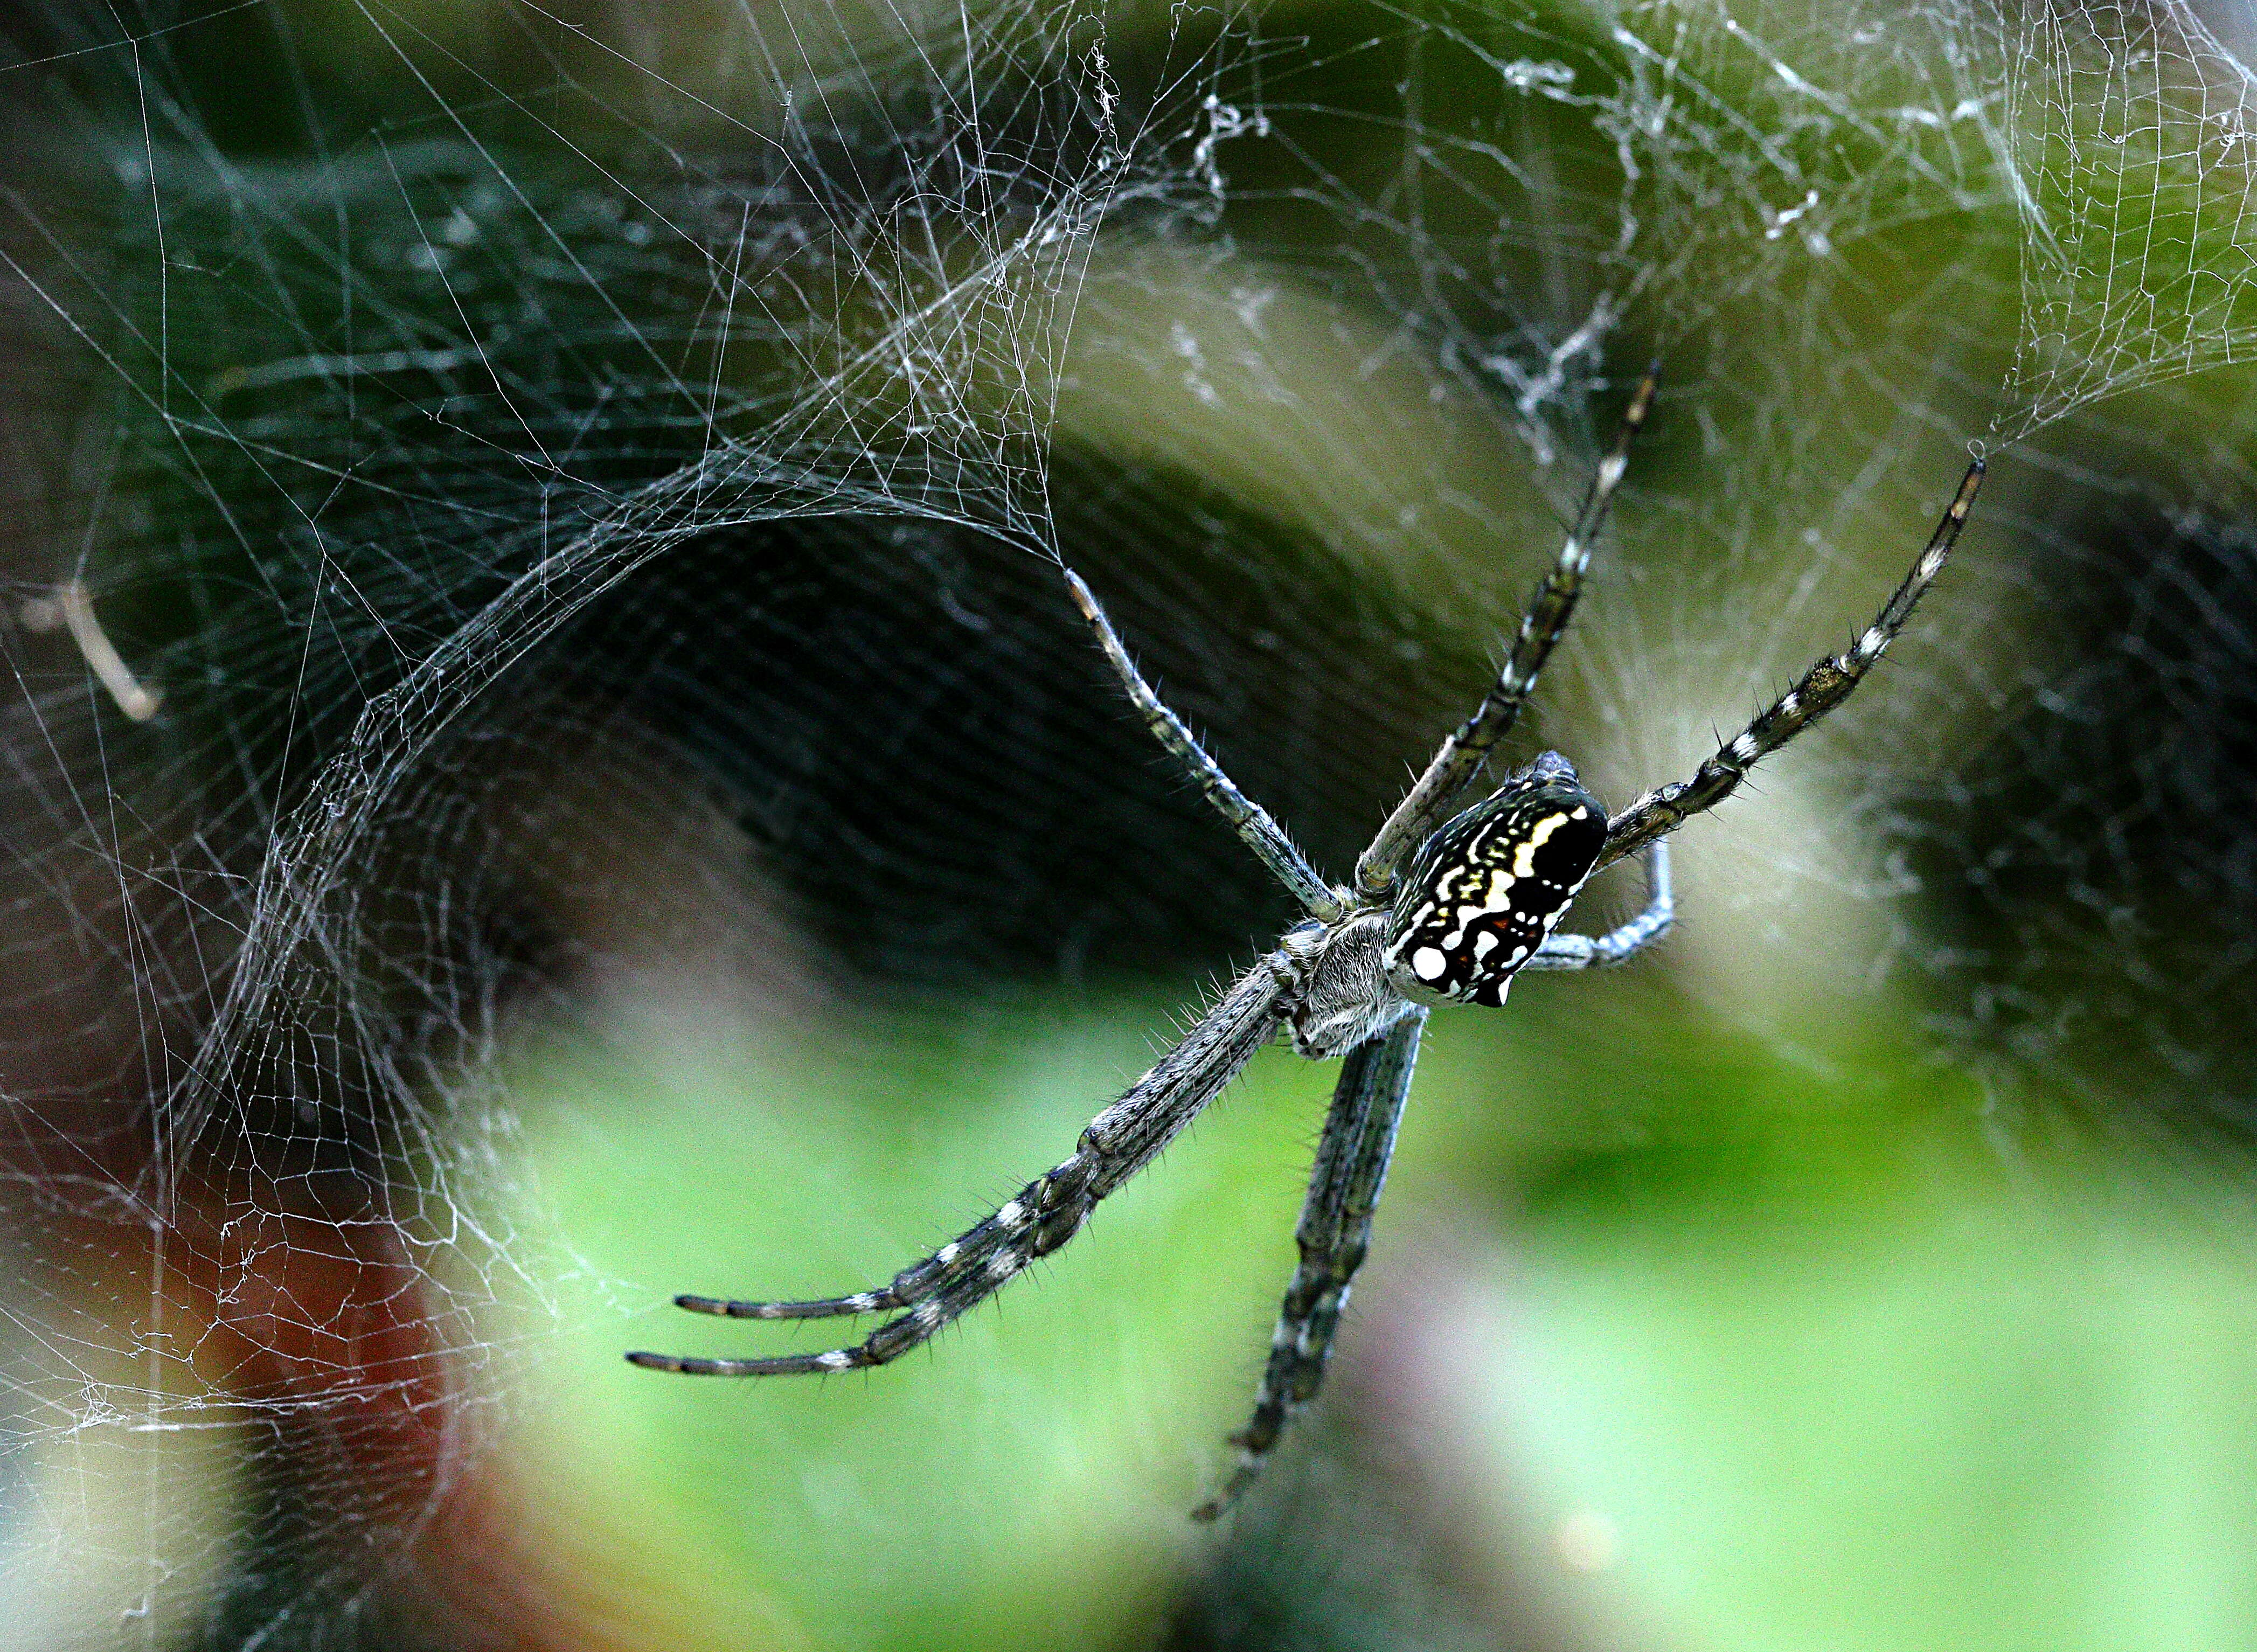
(579, 495)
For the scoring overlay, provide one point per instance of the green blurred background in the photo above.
(1869, 1268)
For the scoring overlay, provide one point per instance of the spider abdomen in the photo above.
(1489, 885)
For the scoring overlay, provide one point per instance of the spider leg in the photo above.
(1333, 1234)
(1823, 686)
(1249, 820)
(1581, 952)
(1047, 1212)
(1461, 754)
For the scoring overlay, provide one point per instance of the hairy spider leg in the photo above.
(1823, 686)
(1333, 1233)
(1561, 951)
(1249, 820)
(1047, 1211)
(1461, 755)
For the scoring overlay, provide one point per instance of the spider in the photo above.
(1447, 906)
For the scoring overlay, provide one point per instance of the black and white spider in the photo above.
(1477, 904)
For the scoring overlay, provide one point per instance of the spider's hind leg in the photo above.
(1333, 1233)
(1248, 819)
(1463, 754)
(1822, 688)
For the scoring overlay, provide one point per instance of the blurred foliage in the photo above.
(1791, 1339)
(1724, 1302)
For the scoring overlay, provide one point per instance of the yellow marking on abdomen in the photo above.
(1524, 858)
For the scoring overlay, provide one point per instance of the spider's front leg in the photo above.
(1478, 906)
(1333, 1234)
(1047, 1212)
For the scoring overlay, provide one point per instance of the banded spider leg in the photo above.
(1047, 1211)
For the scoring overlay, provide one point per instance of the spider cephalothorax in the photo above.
(1475, 905)
(1479, 899)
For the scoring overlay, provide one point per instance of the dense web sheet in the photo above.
(2129, 130)
(517, 524)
